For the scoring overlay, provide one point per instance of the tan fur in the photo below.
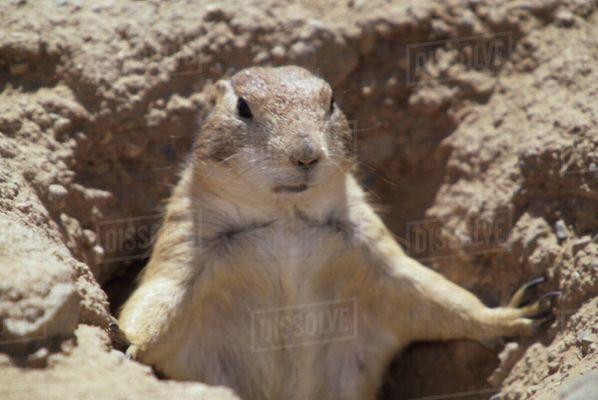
(232, 244)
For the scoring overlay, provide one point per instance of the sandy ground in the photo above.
(476, 125)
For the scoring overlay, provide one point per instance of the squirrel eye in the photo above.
(243, 108)
(331, 105)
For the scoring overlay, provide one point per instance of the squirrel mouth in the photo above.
(291, 189)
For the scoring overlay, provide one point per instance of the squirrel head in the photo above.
(278, 128)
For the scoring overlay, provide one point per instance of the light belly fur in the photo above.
(265, 278)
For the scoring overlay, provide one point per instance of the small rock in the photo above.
(56, 317)
(581, 243)
(383, 29)
(530, 391)
(39, 359)
(510, 351)
(469, 20)
(508, 357)
(261, 57)
(61, 124)
(278, 51)
(215, 12)
(57, 195)
(299, 49)
(25, 206)
(440, 27)
(585, 341)
(553, 367)
(90, 236)
(98, 254)
(565, 18)
(562, 232)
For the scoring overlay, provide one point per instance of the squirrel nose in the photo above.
(307, 162)
(306, 156)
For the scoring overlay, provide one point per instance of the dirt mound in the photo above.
(475, 122)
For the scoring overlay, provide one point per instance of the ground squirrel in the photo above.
(268, 228)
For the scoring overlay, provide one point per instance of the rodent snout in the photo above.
(307, 158)
(306, 163)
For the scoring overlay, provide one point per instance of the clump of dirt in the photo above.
(475, 122)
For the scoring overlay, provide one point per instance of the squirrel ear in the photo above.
(223, 93)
